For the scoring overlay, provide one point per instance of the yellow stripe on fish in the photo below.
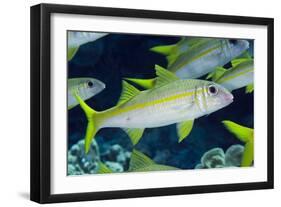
(156, 102)
(175, 67)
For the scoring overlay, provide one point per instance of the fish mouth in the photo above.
(228, 98)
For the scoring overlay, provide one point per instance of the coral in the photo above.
(114, 166)
(233, 155)
(116, 158)
(216, 158)
(80, 163)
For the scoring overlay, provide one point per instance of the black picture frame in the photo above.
(41, 96)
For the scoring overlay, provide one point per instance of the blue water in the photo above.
(115, 56)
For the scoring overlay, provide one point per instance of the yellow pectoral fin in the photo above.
(134, 134)
(184, 129)
(248, 154)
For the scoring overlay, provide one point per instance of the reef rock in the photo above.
(116, 158)
(114, 166)
(216, 158)
(213, 158)
(233, 155)
(80, 163)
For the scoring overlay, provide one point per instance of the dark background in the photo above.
(115, 56)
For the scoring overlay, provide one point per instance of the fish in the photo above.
(200, 59)
(76, 39)
(172, 100)
(86, 87)
(246, 135)
(241, 74)
(139, 162)
(204, 57)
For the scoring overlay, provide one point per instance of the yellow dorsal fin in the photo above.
(172, 58)
(164, 76)
(134, 134)
(139, 160)
(145, 83)
(216, 74)
(250, 88)
(184, 128)
(238, 61)
(128, 92)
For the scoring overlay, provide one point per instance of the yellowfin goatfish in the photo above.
(199, 59)
(75, 39)
(204, 57)
(171, 101)
(240, 75)
(139, 163)
(86, 87)
(246, 135)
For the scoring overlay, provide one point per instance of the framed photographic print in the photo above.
(132, 103)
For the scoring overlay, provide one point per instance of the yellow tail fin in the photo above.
(92, 127)
(246, 135)
(243, 133)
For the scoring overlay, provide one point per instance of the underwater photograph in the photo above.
(141, 103)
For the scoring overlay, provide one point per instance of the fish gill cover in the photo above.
(106, 60)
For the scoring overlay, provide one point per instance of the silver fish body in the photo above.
(172, 103)
(206, 56)
(239, 76)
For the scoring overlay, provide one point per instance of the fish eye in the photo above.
(213, 90)
(90, 84)
(233, 41)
